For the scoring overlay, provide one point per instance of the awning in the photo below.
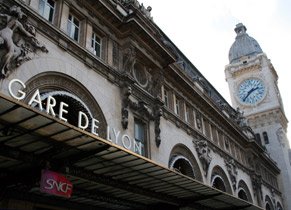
(104, 175)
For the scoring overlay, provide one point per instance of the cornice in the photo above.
(269, 117)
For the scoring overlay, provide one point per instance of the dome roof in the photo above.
(244, 45)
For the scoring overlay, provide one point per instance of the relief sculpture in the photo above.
(204, 155)
(232, 171)
(17, 40)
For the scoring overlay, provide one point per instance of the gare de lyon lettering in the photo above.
(113, 135)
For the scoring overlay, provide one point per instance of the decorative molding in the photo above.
(281, 136)
(129, 59)
(232, 171)
(257, 185)
(203, 152)
(151, 113)
(18, 39)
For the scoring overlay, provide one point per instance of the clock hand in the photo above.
(249, 92)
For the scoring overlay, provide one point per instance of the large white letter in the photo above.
(116, 134)
(22, 94)
(94, 126)
(82, 115)
(51, 102)
(62, 110)
(108, 134)
(137, 147)
(123, 140)
(36, 98)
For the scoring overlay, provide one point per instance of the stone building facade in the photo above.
(106, 69)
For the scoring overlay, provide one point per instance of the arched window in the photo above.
(182, 165)
(182, 160)
(244, 192)
(69, 91)
(279, 206)
(74, 105)
(218, 183)
(266, 138)
(268, 203)
(268, 207)
(242, 195)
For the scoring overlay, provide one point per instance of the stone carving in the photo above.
(232, 171)
(156, 84)
(203, 152)
(157, 116)
(280, 136)
(239, 118)
(115, 54)
(18, 40)
(247, 130)
(198, 120)
(125, 106)
(129, 59)
(145, 11)
(143, 109)
(273, 196)
(257, 185)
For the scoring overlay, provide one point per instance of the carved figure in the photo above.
(16, 52)
(204, 155)
(129, 58)
(157, 116)
(125, 106)
(257, 185)
(198, 120)
(232, 171)
(239, 117)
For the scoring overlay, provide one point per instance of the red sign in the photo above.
(55, 184)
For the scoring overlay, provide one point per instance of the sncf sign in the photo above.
(55, 184)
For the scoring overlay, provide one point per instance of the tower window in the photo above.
(266, 138)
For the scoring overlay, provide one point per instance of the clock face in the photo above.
(251, 91)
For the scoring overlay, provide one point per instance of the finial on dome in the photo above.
(243, 46)
(240, 28)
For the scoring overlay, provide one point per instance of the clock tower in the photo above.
(253, 85)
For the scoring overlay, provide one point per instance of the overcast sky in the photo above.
(204, 32)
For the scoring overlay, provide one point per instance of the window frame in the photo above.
(177, 107)
(138, 121)
(166, 95)
(93, 43)
(71, 23)
(46, 5)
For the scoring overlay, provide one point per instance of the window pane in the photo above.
(73, 29)
(46, 9)
(139, 135)
(166, 97)
(96, 45)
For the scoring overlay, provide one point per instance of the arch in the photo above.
(268, 203)
(244, 192)
(65, 88)
(183, 160)
(279, 206)
(219, 180)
